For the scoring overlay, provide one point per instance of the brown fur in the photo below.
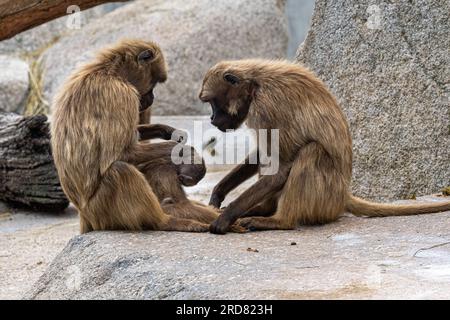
(95, 143)
(312, 185)
(167, 178)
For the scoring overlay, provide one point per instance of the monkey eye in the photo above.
(146, 55)
(231, 79)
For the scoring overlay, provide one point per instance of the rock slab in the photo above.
(354, 258)
(388, 64)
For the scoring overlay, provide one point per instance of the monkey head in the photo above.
(142, 64)
(230, 93)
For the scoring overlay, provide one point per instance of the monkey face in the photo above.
(142, 64)
(230, 96)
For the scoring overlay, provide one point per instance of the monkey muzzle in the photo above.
(146, 101)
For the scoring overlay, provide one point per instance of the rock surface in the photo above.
(384, 258)
(388, 64)
(31, 240)
(193, 35)
(14, 84)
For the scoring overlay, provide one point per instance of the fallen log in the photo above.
(28, 176)
(20, 15)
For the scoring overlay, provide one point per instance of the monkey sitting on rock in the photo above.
(315, 148)
(109, 175)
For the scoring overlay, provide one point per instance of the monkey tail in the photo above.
(361, 207)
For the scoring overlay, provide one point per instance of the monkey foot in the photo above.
(220, 226)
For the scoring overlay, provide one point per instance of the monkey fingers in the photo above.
(238, 175)
(265, 188)
(263, 223)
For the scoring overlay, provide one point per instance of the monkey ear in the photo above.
(146, 55)
(231, 79)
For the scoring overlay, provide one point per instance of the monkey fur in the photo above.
(95, 141)
(313, 181)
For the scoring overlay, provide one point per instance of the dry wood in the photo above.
(27, 173)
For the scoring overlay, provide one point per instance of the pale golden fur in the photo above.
(315, 145)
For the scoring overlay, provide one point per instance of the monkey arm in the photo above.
(265, 188)
(150, 153)
(158, 131)
(238, 175)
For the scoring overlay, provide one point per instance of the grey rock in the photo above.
(36, 39)
(193, 35)
(14, 84)
(388, 64)
(379, 258)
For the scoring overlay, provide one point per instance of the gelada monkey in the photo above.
(95, 141)
(315, 148)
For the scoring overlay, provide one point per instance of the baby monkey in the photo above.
(315, 148)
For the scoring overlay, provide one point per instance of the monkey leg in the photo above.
(266, 208)
(238, 175)
(190, 209)
(197, 211)
(266, 187)
(125, 201)
(314, 193)
(259, 217)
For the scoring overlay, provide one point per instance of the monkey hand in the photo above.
(179, 136)
(221, 225)
(215, 200)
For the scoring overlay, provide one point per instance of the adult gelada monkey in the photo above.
(95, 140)
(315, 149)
